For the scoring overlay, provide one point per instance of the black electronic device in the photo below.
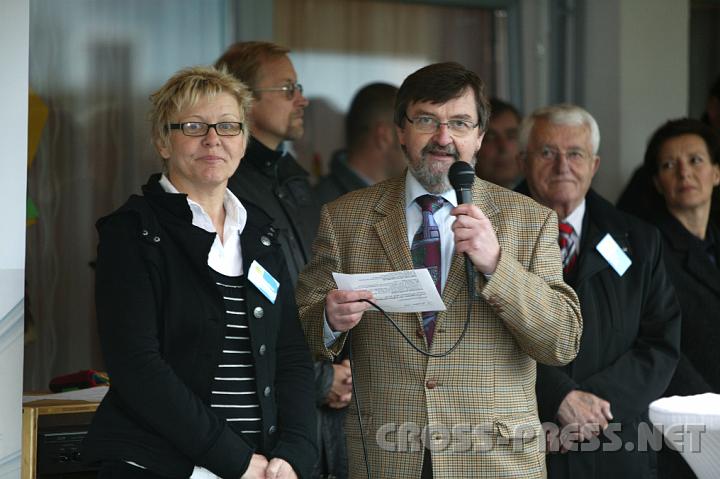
(59, 447)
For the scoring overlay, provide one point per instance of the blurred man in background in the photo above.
(497, 158)
(373, 153)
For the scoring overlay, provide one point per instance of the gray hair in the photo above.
(561, 114)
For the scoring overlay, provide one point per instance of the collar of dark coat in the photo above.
(685, 245)
(169, 213)
(271, 163)
(677, 236)
(600, 218)
(345, 176)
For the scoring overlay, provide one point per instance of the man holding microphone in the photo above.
(521, 310)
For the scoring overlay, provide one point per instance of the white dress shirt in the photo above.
(575, 219)
(224, 257)
(443, 218)
(413, 215)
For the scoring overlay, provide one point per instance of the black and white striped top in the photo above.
(234, 394)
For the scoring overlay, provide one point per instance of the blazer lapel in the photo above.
(392, 227)
(456, 276)
(392, 230)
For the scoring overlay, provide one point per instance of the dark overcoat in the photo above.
(697, 282)
(629, 347)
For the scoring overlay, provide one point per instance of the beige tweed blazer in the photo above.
(474, 409)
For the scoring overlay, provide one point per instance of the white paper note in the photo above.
(409, 291)
(613, 254)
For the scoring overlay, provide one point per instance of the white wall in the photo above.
(636, 77)
(14, 35)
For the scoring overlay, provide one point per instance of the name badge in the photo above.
(613, 254)
(263, 281)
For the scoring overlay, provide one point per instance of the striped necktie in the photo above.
(567, 240)
(425, 251)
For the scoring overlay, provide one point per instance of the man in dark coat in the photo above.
(267, 175)
(273, 179)
(631, 336)
(373, 152)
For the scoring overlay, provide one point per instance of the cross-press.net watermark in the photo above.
(468, 438)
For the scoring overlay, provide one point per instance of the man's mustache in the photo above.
(433, 148)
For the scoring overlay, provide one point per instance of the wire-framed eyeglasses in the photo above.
(430, 124)
(288, 88)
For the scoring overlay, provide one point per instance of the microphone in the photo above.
(461, 176)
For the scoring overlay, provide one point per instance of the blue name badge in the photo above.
(263, 281)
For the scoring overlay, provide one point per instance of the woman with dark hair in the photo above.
(210, 373)
(682, 159)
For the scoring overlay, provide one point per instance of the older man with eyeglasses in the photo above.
(596, 408)
(472, 412)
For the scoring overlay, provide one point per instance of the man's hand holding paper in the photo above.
(407, 291)
(343, 309)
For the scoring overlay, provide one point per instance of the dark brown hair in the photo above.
(439, 83)
(371, 104)
(498, 107)
(675, 128)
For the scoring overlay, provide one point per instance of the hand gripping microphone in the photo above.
(462, 176)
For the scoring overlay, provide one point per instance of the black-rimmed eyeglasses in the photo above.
(289, 89)
(198, 128)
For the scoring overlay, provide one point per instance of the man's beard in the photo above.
(294, 132)
(432, 180)
(295, 129)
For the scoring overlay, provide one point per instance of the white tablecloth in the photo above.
(692, 425)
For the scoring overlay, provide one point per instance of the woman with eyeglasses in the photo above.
(682, 158)
(210, 373)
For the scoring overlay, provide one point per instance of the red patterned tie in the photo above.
(567, 240)
(425, 251)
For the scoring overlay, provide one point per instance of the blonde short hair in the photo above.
(186, 88)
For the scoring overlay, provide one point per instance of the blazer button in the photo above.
(265, 240)
(262, 349)
(258, 312)
(145, 232)
(266, 391)
(272, 430)
(419, 332)
(431, 383)
(156, 239)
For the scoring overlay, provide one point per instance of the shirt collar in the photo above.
(413, 189)
(575, 219)
(235, 212)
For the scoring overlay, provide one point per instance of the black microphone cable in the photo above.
(472, 295)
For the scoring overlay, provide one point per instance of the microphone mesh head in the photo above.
(461, 175)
